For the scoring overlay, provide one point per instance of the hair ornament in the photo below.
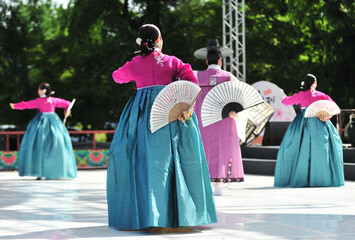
(313, 91)
(44, 90)
(139, 41)
(302, 85)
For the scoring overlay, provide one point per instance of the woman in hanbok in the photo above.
(311, 152)
(46, 150)
(220, 140)
(156, 181)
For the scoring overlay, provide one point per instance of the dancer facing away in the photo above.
(46, 150)
(311, 152)
(156, 181)
(220, 140)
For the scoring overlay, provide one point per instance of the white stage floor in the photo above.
(76, 209)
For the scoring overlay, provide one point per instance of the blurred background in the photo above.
(75, 45)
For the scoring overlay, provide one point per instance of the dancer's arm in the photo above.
(184, 71)
(124, 73)
(294, 99)
(32, 104)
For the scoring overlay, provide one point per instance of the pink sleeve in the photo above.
(184, 71)
(27, 105)
(326, 97)
(294, 99)
(123, 74)
(61, 103)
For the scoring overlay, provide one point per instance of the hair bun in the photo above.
(308, 82)
(147, 35)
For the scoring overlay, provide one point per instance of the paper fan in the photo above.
(258, 117)
(225, 97)
(67, 113)
(175, 98)
(322, 107)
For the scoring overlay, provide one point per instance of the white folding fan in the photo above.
(225, 97)
(322, 107)
(67, 113)
(252, 121)
(175, 98)
(258, 117)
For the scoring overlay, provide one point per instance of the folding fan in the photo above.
(322, 107)
(175, 98)
(225, 97)
(258, 117)
(67, 113)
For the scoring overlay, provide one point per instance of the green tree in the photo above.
(286, 40)
(77, 48)
(14, 69)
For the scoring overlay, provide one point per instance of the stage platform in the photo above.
(259, 159)
(254, 209)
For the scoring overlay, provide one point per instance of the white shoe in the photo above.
(218, 189)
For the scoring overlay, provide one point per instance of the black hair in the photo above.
(308, 81)
(149, 34)
(213, 56)
(47, 87)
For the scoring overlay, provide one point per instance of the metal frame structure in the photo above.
(234, 37)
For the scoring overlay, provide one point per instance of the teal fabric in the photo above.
(159, 179)
(310, 155)
(46, 149)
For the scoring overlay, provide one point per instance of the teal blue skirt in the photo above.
(310, 155)
(46, 149)
(159, 179)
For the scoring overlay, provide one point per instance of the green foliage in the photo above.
(288, 39)
(77, 48)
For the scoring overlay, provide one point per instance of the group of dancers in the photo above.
(161, 181)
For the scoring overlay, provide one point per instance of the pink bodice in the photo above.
(305, 98)
(152, 69)
(212, 75)
(43, 104)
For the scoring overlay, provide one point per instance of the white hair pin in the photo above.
(139, 41)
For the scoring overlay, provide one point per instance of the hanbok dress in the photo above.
(311, 152)
(46, 149)
(220, 140)
(156, 179)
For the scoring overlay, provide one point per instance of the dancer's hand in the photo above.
(67, 113)
(12, 105)
(233, 115)
(183, 116)
(323, 118)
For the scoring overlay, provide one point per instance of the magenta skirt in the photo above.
(222, 148)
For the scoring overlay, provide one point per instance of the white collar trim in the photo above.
(214, 66)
